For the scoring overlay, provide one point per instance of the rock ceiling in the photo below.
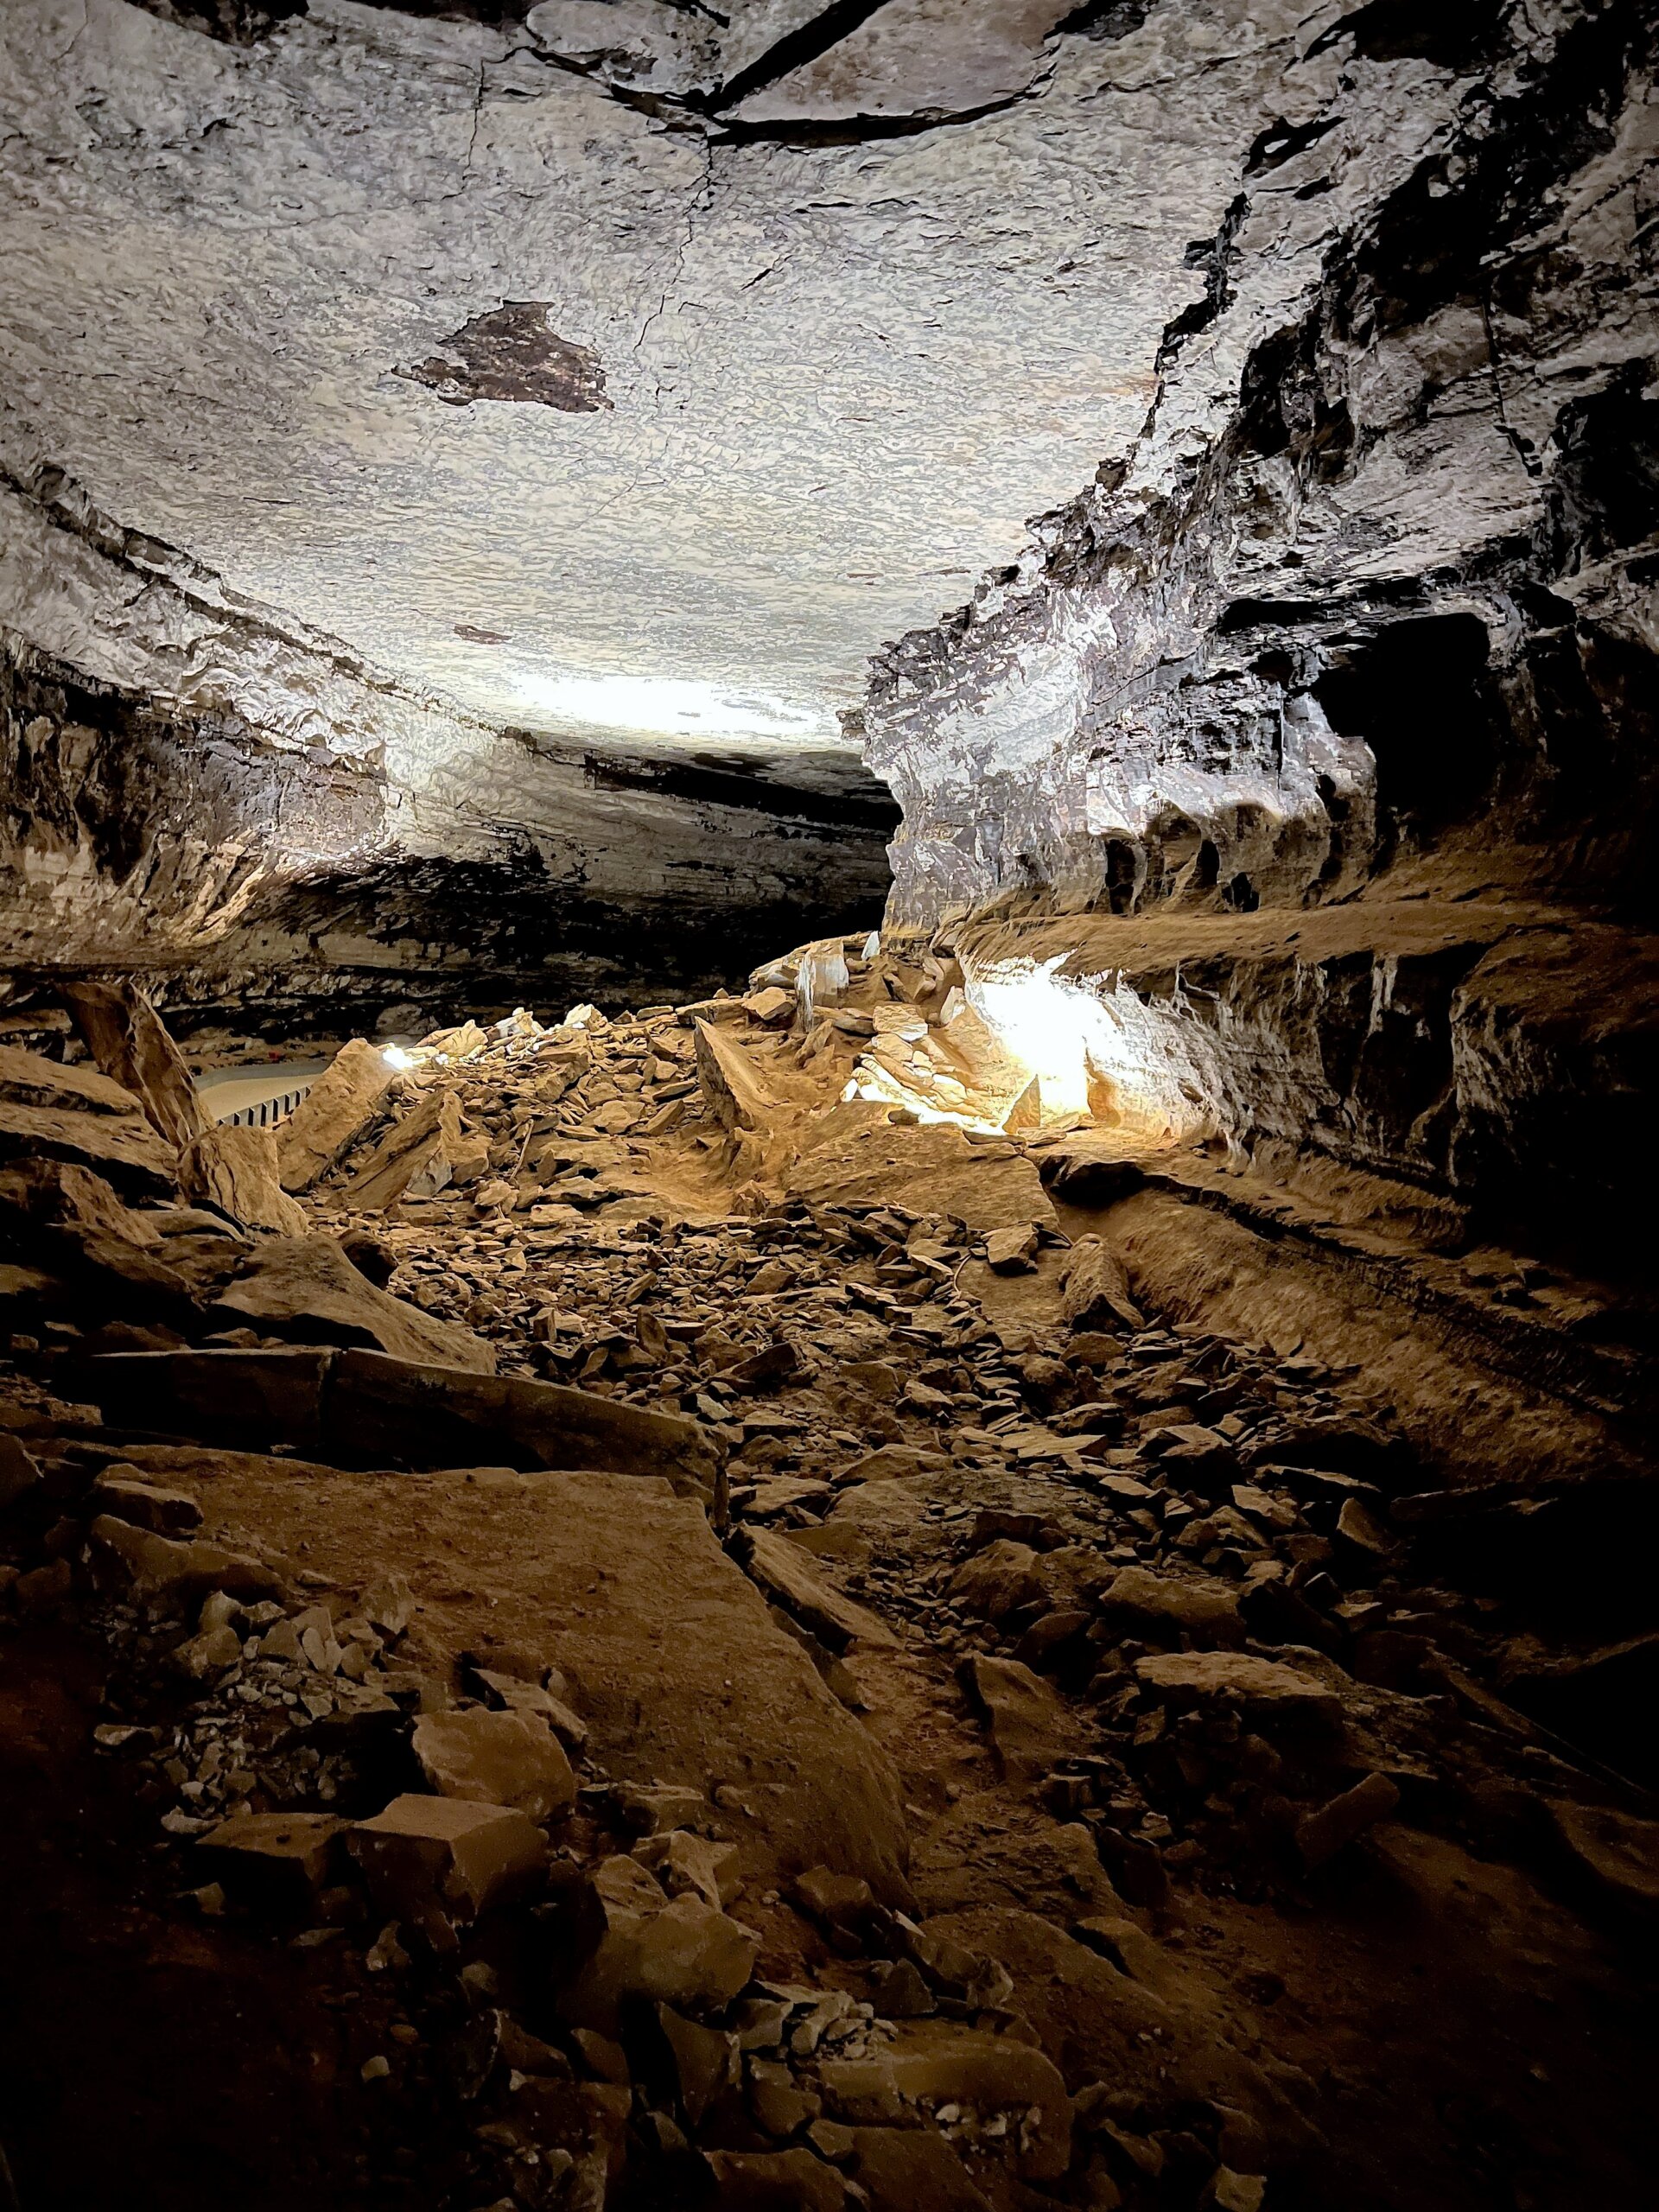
(622, 369)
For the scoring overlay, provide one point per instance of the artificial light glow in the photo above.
(1040, 1018)
(1018, 1046)
(396, 1057)
(1100, 1053)
(667, 706)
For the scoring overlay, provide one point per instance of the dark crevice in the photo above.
(1214, 256)
(514, 353)
(753, 793)
(1281, 141)
(1106, 19)
(233, 22)
(862, 129)
(1459, 37)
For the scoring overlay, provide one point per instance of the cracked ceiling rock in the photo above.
(513, 352)
(915, 59)
(641, 47)
(782, 63)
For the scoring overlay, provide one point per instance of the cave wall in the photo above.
(1323, 721)
(233, 808)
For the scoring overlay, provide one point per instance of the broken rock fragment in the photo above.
(277, 1860)
(913, 2170)
(1013, 1251)
(737, 1096)
(155, 1570)
(689, 1865)
(19, 1472)
(776, 2181)
(1030, 1727)
(1321, 1835)
(787, 1573)
(997, 1580)
(444, 1854)
(235, 1170)
(1618, 1851)
(1094, 1289)
(334, 1112)
(684, 1953)
(129, 1042)
(1164, 1605)
(1185, 1680)
(495, 1758)
(365, 1406)
(936, 2062)
(122, 1148)
(418, 1155)
(305, 1287)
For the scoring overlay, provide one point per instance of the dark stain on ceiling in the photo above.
(513, 352)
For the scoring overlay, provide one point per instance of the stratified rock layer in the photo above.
(1361, 624)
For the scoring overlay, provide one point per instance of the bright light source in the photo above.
(1102, 1052)
(396, 1057)
(666, 707)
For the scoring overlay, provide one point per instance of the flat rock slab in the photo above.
(790, 1576)
(673, 1660)
(337, 1106)
(370, 1410)
(30, 1079)
(121, 1147)
(1184, 1680)
(931, 1168)
(306, 1288)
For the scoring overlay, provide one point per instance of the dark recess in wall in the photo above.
(872, 808)
(1418, 695)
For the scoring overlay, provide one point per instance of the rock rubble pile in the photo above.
(763, 1666)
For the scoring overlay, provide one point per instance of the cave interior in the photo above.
(828, 1063)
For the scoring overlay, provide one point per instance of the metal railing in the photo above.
(264, 1113)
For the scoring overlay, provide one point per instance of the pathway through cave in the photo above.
(828, 1369)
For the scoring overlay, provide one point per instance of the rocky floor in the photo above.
(603, 1624)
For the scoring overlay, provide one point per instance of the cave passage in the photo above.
(827, 1346)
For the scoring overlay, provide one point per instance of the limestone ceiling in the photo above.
(620, 370)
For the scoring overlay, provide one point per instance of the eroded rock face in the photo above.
(256, 850)
(1378, 534)
(1361, 619)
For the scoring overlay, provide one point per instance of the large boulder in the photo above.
(305, 1287)
(331, 1115)
(365, 1409)
(235, 1170)
(931, 1167)
(129, 1042)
